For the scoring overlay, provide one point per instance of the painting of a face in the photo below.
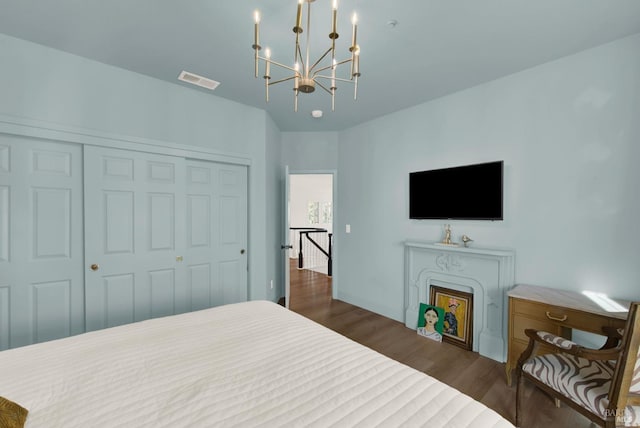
(431, 317)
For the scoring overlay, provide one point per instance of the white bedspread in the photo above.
(247, 364)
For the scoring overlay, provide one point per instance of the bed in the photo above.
(247, 364)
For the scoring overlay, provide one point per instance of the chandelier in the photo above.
(307, 76)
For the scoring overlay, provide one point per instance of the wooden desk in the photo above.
(555, 311)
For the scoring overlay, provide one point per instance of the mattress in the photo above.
(240, 365)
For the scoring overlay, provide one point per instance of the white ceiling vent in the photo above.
(194, 79)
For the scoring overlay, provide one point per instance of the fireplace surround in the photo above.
(487, 273)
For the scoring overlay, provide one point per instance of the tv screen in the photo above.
(470, 192)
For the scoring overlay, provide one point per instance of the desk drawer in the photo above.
(559, 316)
(521, 323)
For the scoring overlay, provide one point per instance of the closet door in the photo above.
(232, 223)
(41, 246)
(163, 234)
(216, 234)
(134, 214)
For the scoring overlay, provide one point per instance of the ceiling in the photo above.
(437, 47)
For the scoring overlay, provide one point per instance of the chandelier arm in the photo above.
(320, 59)
(300, 56)
(339, 79)
(328, 66)
(297, 49)
(281, 80)
(344, 61)
(316, 73)
(324, 87)
(279, 65)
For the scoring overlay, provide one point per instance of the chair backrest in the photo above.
(626, 378)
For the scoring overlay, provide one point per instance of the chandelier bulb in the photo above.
(298, 28)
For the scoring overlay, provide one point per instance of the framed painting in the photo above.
(458, 316)
(431, 322)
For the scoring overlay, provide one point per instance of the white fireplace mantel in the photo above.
(487, 273)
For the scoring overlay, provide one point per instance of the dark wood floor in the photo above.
(479, 377)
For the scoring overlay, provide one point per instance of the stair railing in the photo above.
(303, 235)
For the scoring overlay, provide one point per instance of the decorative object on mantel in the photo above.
(447, 234)
(466, 240)
(447, 237)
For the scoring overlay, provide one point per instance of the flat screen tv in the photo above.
(469, 192)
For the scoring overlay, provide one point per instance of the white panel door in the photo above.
(203, 289)
(216, 233)
(232, 226)
(134, 229)
(41, 242)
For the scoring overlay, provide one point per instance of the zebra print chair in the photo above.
(603, 384)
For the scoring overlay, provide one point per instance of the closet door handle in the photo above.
(242, 251)
(95, 267)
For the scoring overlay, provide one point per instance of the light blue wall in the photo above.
(569, 134)
(310, 151)
(59, 88)
(275, 211)
(63, 91)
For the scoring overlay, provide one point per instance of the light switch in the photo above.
(348, 228)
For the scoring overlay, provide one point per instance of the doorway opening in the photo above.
(311, 213)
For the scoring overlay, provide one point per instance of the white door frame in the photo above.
(286, 243)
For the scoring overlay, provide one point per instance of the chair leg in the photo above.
(519, 393)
